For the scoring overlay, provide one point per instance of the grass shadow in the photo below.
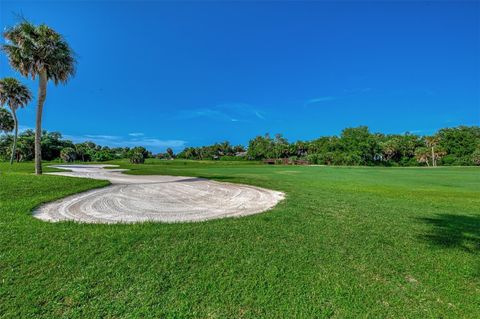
(454, 231)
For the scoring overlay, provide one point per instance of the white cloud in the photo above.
(259, 115)
(319, 100)
(103, 137)
(229, 112)
(136, 134)
(120, 141)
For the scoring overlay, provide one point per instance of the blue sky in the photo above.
(180, 74)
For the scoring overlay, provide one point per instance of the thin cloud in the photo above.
(259, 115)
(207, 113)
(103, 137)
(358, 90)
(227, 112)
(135, 134)
(320, 100)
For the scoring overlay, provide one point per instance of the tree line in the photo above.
(357, 146)
(54, 147)
(354, 146)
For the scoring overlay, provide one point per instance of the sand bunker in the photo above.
(136, 198)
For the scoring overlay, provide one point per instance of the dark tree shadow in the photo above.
(454, 231)
(189, 179)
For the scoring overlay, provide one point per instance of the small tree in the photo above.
(137, 155)
(68, 154)
(170, 153)
(137, 158)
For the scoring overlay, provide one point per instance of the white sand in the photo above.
(141, 198)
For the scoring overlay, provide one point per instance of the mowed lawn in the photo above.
(345, 243)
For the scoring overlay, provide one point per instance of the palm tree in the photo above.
(422, 155)
(39, 51)
(15, 95)
(431, 142)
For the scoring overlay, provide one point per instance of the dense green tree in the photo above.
(459, 143)
(68, 154)
(85, 151)
(261, 147)
(359, 145)
(137, 155)
(39, 51)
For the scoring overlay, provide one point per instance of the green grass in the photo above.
(345, 243)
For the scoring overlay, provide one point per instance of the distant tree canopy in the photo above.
(358, 146)
(355, 146)
(222, 150)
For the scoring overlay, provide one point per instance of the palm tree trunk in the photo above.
(42, 93)
(433, 157)
(14, 145)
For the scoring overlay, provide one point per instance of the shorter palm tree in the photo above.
(431, 142)
(16, 95)
(6, 120)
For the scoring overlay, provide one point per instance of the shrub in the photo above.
(476, 157)
(137, 158)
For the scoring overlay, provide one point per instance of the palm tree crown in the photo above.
(32, 49)
(14, 94)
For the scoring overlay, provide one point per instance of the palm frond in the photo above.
(14, 94)
(33, 49)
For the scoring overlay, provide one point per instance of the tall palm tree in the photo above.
(15, 95)
(39, 51)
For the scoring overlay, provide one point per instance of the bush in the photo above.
(476, 157)
(452, 160)
(137, 158)
(313, 158)
(103, 156)
(137, 155)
